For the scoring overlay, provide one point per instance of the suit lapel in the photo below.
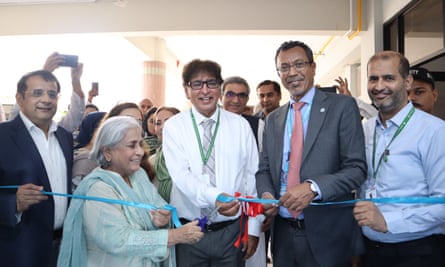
(278, 123)
(67, 149)
(64, 144)
(318, 114)
(26, 146)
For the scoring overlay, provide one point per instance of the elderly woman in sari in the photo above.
(106, 234)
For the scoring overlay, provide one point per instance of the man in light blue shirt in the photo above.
(405, 154)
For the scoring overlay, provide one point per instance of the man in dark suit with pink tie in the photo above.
(332, 165)
(36, 155)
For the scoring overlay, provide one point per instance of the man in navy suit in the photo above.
(333, 164)
(36, 155)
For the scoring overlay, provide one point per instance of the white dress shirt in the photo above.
(55, 165)
(236, 162)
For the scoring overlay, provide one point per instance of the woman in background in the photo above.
(83, 165)
(162, 177)
(148, 124)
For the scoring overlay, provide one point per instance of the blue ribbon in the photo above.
(390, 200)
(175, 218)
(224, 198)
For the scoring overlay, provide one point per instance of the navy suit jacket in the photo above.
(29, 242)
(253, 122)
(334, 158)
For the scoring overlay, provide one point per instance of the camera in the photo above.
(69, 61)
(95, 87)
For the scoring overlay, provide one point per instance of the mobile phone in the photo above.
(95, 87)
(330, 89)
(69, 61)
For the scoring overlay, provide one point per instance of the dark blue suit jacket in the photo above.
(29, 242)
(253, 122)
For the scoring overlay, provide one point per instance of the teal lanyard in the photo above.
(385, 154)
(205, 157)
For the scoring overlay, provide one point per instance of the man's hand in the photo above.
(269, 209)
(28, 195)
(250, 248)
(53, 62)
(266, 224)
(76, 73)
(343, 86)
(366, 213)
(228, 208)
(297, 197)
(91, 94)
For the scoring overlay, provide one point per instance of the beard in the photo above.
(393, 99)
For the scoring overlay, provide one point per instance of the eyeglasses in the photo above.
(53, 94)
(197, 85)
(231, 95)
(299, 66)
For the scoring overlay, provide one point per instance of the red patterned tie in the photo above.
(296, 151)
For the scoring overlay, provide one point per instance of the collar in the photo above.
(308, 98)
(399, 117)
(200, 118)
(30, 125)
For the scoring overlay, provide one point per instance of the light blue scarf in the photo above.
(73, 250)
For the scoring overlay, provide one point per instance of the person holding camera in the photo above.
(73, 117)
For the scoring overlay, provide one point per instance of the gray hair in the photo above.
(111, 133)
(237, 80)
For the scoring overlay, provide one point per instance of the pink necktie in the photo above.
(296, 151)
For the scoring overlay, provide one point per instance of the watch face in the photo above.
(313, 188)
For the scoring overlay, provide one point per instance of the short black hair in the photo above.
(276, 86)
(44, 74)
(196, 66)
(237, 80)
(389, 54)
(291, 44)
(91, 106)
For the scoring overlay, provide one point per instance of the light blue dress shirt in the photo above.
(305, 114)
(415, 167)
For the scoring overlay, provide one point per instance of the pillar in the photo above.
(154, 82)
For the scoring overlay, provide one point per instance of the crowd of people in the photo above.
(75, 192)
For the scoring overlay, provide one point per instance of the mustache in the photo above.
(381, 91)
(294, 78)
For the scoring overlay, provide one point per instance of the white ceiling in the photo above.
(249, 56)
(35, 2)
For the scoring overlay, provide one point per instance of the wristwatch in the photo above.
(313, 188)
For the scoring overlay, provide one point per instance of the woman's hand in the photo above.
(189, 233)
(160, 217)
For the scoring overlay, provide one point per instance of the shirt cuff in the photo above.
(317, 189)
